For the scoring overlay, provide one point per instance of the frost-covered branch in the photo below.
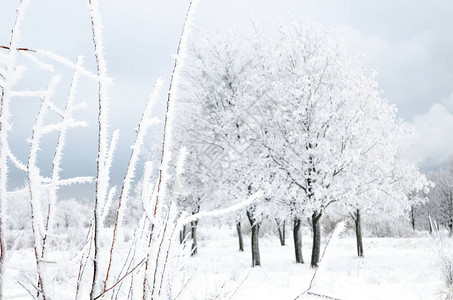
(169, 120)
(9, 77)
(33, 175)
(102, 170)
(223, 211)
(145, 122)
(58, 155)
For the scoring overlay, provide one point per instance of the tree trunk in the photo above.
(450, 228)
(255, 245)
(182, 234)
(241, 241)
(281, 231)
(358, 233)
(194, 250)
(316, 250)
(284, 232)
(297, 235)
(413, 217)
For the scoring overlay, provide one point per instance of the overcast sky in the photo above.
(409, 43)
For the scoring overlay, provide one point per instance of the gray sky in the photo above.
(409, 43)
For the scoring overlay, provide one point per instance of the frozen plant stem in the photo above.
(165, 155)
(7, 77)
(143, 126)
(121, 279)
(58, 155)
(102, 170)
(34, 183)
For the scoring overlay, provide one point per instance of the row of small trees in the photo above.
(292, 114)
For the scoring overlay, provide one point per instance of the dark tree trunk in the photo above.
(281, 231)
(284, 232)
(413, 217)
(182, 234)
(316, 250)
(193, 231)
(450, 214)
(358, 233)
(255, 245)
(430, 224)
(241, 241)
(450, 228)
(194, 250)
(297, 235)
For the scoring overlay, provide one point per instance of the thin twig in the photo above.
(34, 182)
(158, 253)
(84, 259)
(130, 173)
(58, 154)
(131, 254)
(322, 296)
(18, 49)
(167, 255)
(121, 279)
(221, 288)
(185, 284)
(165, 136)
(25, 288)
(307, 291)
(240, 284)
(102, 172)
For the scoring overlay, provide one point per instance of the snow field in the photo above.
(393, 268)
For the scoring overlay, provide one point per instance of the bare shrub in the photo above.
(444, 250)
(384, 227)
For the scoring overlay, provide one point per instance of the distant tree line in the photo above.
(437, 209)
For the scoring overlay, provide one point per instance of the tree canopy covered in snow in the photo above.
(291, 113)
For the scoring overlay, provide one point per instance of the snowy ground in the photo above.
(393, 268)
(403, 268)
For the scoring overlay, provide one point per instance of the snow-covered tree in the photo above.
(389, 190)
(213, 111)
(296, 117)
(441, 196)
(385, 177)
(313, 117)
(328, 130)
(72, 213)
